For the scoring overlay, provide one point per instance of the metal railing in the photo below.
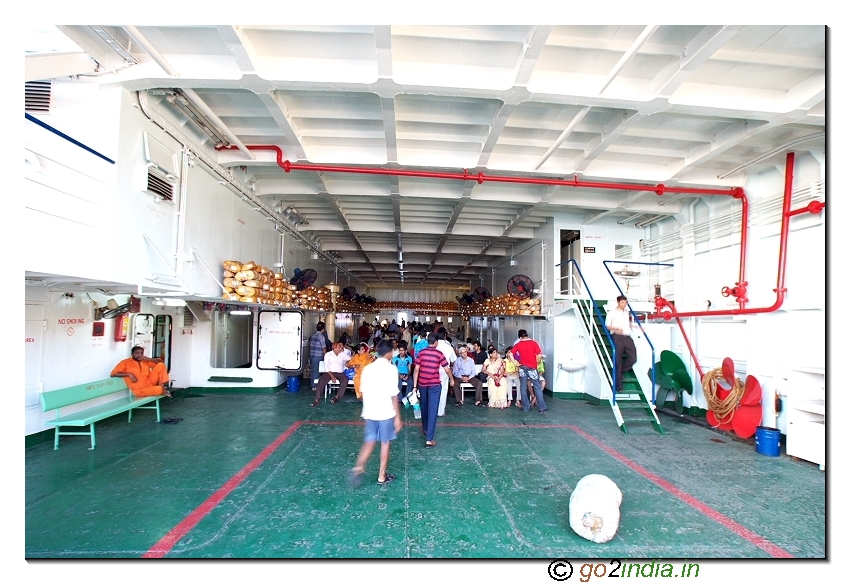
(592, 329)
(571, 288)
(634, 316)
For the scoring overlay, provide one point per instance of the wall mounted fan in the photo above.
(465, 299)
(303, 279)
(520, 286)
(481, 293)
(349, 293)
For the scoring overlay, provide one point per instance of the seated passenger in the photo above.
(463, 371)
(335, 362)
(145, 377)
(497, 381)
(357, 362)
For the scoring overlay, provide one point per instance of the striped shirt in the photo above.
(317, 346)
(430, 361)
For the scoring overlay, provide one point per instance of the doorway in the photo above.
(569, 281)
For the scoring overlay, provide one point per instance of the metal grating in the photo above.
(160, 185)
(188, 319)
(37, 96)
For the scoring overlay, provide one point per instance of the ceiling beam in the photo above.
(332, 205)
(616, 128)
(700, 49)
(627, 56)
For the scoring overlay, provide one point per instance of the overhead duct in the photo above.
(226, 179)
(659, 189)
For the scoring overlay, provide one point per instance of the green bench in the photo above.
(56, 400)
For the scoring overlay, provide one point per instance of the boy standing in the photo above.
(379, 385)
(403, 363)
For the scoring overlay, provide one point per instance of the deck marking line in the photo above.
(442, 424)
(166, 543)
(742, 531)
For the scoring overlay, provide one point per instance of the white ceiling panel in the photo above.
(426, 103)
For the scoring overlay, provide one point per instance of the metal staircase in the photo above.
(631, 405)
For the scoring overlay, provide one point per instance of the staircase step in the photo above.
(636, 419)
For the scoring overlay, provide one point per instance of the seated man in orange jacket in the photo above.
(146, 377)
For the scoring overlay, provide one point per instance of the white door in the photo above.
(33, 353)
(279, 340)
(142, 327)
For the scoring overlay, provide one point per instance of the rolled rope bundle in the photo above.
(723, 409)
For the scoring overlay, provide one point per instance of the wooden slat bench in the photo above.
(56, 400)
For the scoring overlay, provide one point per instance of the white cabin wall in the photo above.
(75, 356)
(603, 235)
(769, 346)
(69, 192)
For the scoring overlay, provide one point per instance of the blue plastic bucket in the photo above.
(292, 384)
(767, 441)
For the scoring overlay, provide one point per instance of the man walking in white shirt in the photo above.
(619, 324)
(450, 354)
(379, 384)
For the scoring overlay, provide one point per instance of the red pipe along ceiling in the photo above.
(739, 291)
(813, 207)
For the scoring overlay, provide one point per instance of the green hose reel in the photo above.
(671, 375)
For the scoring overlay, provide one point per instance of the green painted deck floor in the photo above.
(262, 476)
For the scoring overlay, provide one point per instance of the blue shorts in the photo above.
(383, 431)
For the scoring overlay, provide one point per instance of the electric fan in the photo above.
(481, 293)
(303, 279)
(520, 286)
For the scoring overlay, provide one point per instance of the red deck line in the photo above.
(166, 543)
(743, 532)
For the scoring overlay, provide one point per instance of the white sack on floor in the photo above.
(595, 508)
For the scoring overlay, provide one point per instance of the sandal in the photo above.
(355, 477)
(478, 404)
(334, 401)
(430, 444)
(388, 477)
(459, 403)
(314, 403)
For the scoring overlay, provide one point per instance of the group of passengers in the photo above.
(470, 366)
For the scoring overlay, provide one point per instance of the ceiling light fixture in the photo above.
(670, 199)
(649, 221)
(240, 312)
(293, 215)
(771, 153)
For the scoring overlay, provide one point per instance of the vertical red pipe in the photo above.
(742, 270)
(786, 221)
(780, 290)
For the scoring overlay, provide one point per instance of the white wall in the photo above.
(73, 356)
(767, 346)
(68, 193)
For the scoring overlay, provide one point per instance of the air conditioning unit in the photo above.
(162, 176)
